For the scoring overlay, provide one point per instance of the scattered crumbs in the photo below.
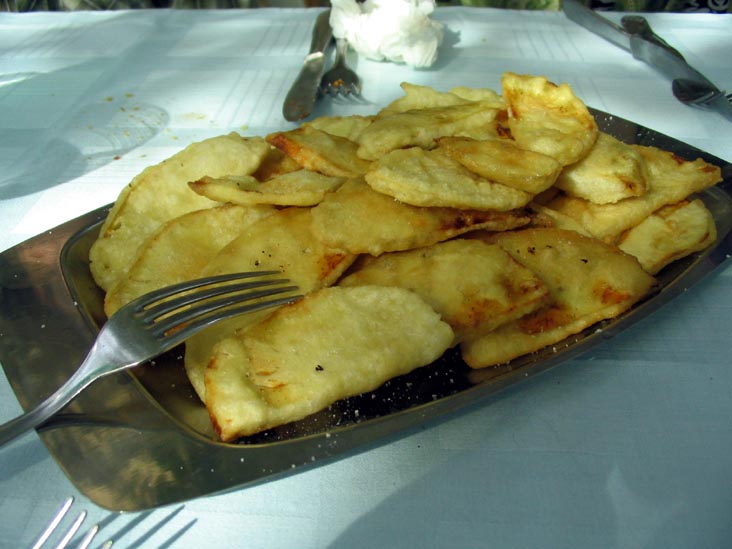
(129, 95)
(109, 99)
(292, 465)
(327, 435)
(43, 326)
(312, 458)
(212, 469)
(241, 460)
(117, 157)
(194, 116)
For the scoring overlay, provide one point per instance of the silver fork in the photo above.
(155, 323)
(340, 79)
(56, 520)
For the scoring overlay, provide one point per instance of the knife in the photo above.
(301, 97)
(638, 38)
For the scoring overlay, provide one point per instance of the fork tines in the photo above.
(340, 79)
(195, 304)
(69, 534)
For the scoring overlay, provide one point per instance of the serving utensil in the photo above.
(639, 26)
(155, 323)
(637, 37)
(340, 79)
(697, 94)
(301, 98)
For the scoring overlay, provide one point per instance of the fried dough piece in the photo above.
(160, 193)
(298, 188)
(348, 127)
(502, 161)
(484, 95)
(610, 172)
(669, 234)
(333, 344)
(670, 180)
(180, 249)
(360, 220)
(418, 97)
(275, 163)
(282, 241)
(475, 286)
(423, 127)
(431, 178)
(552, 218)
(547, 118)
(588, 281)
(321, 152)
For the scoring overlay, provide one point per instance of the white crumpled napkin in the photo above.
(394, 30)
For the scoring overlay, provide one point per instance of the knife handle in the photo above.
(301, 98)
(322, 33)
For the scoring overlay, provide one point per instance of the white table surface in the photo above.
(629, 446)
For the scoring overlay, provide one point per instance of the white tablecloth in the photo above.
(628, 446)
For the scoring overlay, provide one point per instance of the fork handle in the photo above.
(43, 411)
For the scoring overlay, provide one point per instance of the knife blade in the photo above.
(300, 99)
(655, 52)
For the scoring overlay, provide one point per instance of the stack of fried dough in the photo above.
(499, 223)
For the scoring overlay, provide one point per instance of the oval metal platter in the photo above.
(146, 438)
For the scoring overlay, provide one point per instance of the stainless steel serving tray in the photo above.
(147, 440)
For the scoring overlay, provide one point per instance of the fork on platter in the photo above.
(155, 323)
